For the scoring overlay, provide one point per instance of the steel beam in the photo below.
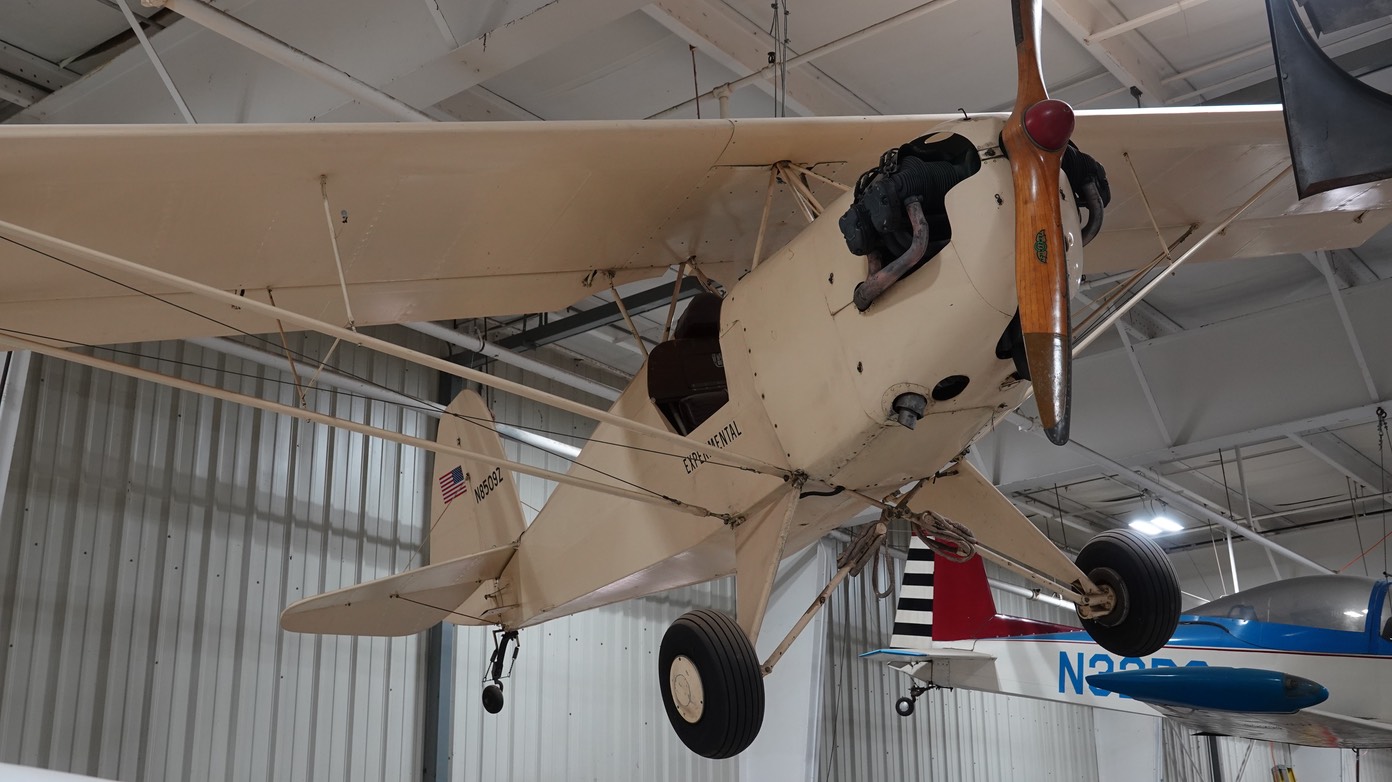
(725, 35)
(1348, 45)
(525, 363)
(1144, 19)
(1122, 59)
(1172, 494)
(275, 49)
(806, 57)
(604, 315)
(150, 52)
(1320, 259)
(35, 69)
(19, 93)
(1345, 459)
(1145, 385)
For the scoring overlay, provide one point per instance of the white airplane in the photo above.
(823, 383)
(1302, 661)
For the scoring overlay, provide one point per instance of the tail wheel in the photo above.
(1147, 606)
(711, 684)
(493, 699)
(904, 707)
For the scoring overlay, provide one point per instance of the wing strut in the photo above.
(19, 232)
(20, 343)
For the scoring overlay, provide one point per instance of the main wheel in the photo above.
(711, 684)
(904, 707)
(1137, 571)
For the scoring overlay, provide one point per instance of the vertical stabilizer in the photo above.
(940, 599)
(473, 506)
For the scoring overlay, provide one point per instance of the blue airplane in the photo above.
(1305, 661)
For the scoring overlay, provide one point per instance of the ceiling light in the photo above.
(1167, 524)
(1146, 527)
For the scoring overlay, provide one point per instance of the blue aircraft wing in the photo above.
(1247, 702)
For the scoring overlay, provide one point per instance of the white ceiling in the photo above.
(1229, 354)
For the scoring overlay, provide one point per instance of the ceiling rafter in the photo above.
(726, 36)
(1129, 62)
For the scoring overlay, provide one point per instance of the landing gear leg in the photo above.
(493, 693)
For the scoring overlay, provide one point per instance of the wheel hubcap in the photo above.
(687, 693)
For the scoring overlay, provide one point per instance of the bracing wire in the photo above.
(272, 344)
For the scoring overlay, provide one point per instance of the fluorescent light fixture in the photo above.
(1146, 527)
(1356, 614)
(1166, 524)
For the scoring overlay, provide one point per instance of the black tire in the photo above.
(1147, 592)
(731, 710)
(904, 707)
(492, 699)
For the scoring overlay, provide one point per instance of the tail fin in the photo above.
(940, 599)
(473, 506)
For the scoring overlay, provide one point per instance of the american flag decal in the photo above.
(453, 483)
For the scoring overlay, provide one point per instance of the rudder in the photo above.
(474, 506)
(940, 599)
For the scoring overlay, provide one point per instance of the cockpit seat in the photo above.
(686, 374)
(1244, 612)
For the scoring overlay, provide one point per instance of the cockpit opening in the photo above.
(686, 374)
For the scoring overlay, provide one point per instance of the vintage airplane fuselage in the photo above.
(811, 381)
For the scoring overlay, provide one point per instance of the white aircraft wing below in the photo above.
(1309, 727)
(452, 220)
(898, 657)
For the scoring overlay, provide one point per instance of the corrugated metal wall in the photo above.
(584, 701)
(953, 735)
(150, 539)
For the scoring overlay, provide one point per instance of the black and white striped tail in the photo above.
(913, 616)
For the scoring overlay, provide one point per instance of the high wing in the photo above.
(472, 219)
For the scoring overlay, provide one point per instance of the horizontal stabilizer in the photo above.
(402, 604)
(1249, 690)
(893, 656)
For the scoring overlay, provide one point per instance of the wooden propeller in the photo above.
(1035, 137)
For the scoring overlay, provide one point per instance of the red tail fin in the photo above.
(942, 600)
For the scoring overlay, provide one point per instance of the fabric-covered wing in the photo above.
(455, 220)
(1196, 166)
(1308, 727)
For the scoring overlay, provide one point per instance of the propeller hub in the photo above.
(1049, 123)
